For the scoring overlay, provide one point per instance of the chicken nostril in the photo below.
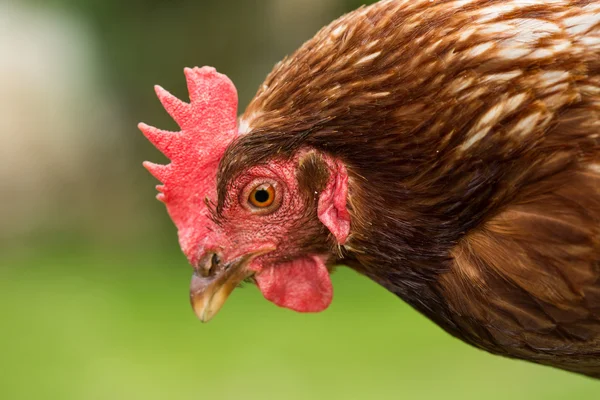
(209, 265)
(215, 260)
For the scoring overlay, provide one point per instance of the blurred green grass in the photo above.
(119, 326)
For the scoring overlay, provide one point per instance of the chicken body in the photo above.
(448, 150)
(471, 135)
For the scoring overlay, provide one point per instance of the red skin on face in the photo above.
(302, 284)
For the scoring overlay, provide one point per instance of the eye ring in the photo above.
(262, 196)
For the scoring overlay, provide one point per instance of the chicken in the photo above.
(447, 150)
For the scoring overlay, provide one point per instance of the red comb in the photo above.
(208, 125)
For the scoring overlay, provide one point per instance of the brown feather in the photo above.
(529, 278)
(470, 130)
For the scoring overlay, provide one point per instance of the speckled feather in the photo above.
(470, 130)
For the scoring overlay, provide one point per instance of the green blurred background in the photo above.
(93, 287)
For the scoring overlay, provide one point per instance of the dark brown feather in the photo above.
(527, 282)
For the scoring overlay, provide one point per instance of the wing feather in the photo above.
(526, 284)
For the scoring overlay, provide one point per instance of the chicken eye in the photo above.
(262, 196)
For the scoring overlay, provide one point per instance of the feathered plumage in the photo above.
(470, 133)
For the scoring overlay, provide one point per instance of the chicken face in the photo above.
(268, 222)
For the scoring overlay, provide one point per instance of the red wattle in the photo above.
(301, 285)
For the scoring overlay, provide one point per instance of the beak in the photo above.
(213, 282)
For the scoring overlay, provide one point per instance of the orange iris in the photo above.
(262, 196)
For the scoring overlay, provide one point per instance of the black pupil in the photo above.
(261, 196)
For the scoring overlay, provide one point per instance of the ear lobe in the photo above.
(331, 209)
